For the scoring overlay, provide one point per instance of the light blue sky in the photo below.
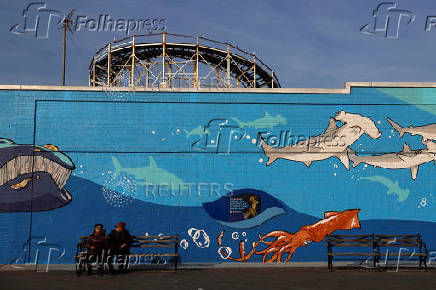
(309, 43)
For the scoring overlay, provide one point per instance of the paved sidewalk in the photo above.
(223, 278)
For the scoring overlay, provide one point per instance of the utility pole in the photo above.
(64, 51)
(67, 22)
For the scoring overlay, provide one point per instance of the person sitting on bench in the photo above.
(119, 247)
(95, 245)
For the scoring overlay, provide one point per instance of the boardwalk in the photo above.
(224, 278)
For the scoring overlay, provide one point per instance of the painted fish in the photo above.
(266, 122)
(152, 174)
(428, 132)
(406, 159)
(393, 187)
(333, 142)
(199, 131)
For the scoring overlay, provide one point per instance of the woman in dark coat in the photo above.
(119, 246)
(95, 245)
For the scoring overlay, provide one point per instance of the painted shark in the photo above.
(407, 158)
(427, 132)
(393, 187)
(333, 142)
(199, 131)
(151, 174)
(33, 178)
(266, 122)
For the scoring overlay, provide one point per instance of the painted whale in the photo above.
(333, 142)
(33, 178)
(406, 159)
(428, 132)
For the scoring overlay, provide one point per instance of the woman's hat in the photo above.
(121, 224)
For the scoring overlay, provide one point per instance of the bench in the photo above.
(158, 247)
(366, 243)
(375, 247)
(400, 243)
(169, 246)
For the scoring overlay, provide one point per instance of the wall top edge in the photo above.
(345, 90)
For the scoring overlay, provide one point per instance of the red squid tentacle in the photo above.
(253, 250)
(275, 234)
(283, 243)
(282, 251)
(273, 258)
(268, 252)
(266, 255)
(220, 240)
(279, 242)
(291, 252)
(243, 257)
(268, 249)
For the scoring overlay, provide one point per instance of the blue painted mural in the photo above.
(239, 176)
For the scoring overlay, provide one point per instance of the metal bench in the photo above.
(375, 247)
(159, 247)
(365, 242)
(168, 244)
(402, 244)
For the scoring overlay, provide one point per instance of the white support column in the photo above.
(93, 71)
(272, 79)
(109, 60)
(254, 71)
(163, 58)
(228, 66)
(196, 65)
(132, 72)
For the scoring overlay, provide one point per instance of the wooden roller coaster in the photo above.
(144, 61)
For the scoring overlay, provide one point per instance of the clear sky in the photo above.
(309, 43)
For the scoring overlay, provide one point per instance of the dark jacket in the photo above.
(116, 239)
(96, 242)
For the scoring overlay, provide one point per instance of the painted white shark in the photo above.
(427, 132)
(400, 160)
(333, 142)
(151, 174)
(265, 122)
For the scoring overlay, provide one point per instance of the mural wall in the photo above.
(241, 177)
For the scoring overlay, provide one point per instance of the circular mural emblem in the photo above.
(119, 191)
